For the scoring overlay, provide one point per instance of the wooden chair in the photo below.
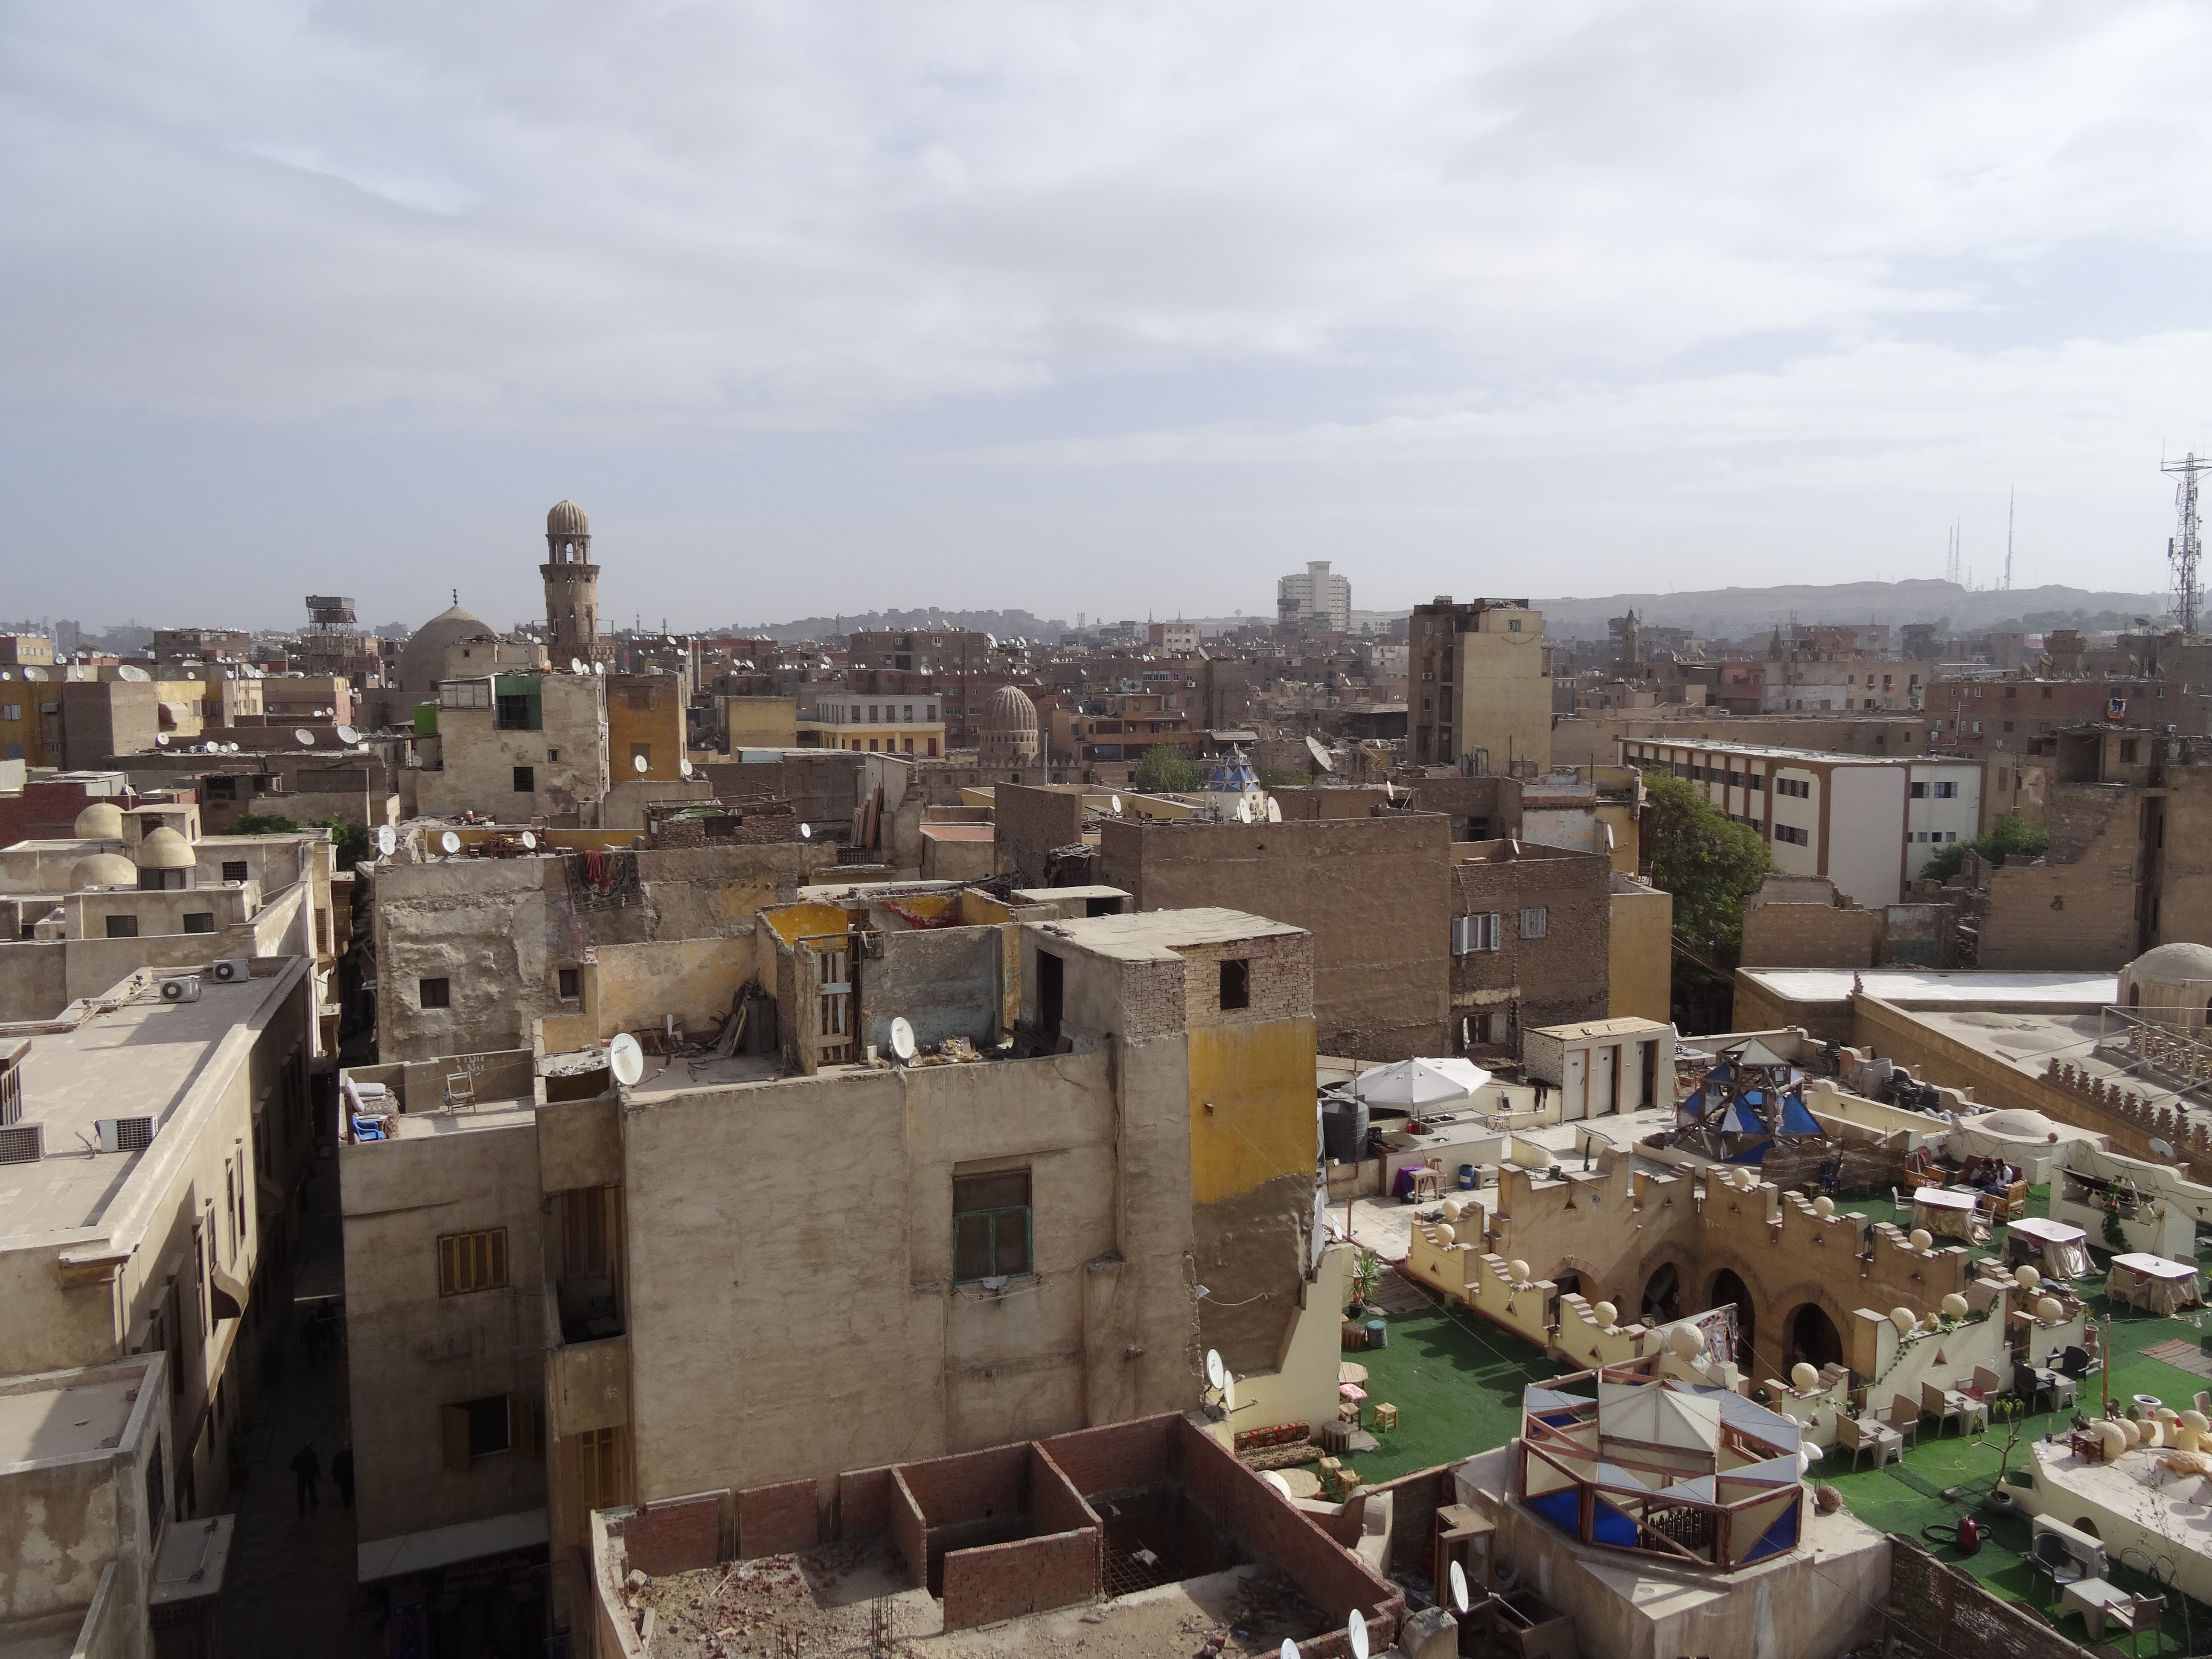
(1386, 1418)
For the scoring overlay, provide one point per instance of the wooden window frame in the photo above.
(996, 1217)
(472, 1262)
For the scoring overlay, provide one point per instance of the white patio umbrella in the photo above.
(1419, 1082)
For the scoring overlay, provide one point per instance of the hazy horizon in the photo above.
(1106, 310)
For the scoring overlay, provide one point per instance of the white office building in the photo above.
(1868, 824)
(1316, 598)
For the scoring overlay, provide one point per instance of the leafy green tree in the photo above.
(1164, 769)
(349, 840)
(2011, 836)
(1284, 777)
(1709, 865)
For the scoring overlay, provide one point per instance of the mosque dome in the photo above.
(1010, 710)
(567, 518)
(1008, 740)
(165, 850)
(2175, 977)
(422, 659)
(101, 820)
(103, 870)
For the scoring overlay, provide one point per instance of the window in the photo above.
(1920, 791)
(1236, 983)
(873, 713)
(930, 714)
(236, 870)
(2127, 751)
(526, 780)
(472, 1262)
(220, 788)
(486, 1427)
(1474, 934)
(1792, 834)
(1945, 791)
(199, 921)
(11, 711)
(123, 927)
(1759, 781)
(2046, 691)
(990, 1225)
(909, 712)
(1535, 923)
(596, 1459)
(512, 714)
(433, 993)
(552, 754)
(2011, 691)
(572, 984)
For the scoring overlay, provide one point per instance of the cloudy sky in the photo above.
(1117, 308)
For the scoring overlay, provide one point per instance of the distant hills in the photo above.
(1006, 624)
(1733, 612)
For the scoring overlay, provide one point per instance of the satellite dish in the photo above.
(449, 842)
(161, 739)
(575, 664)
(230, 748)
(135, 676)
(302, 736)
(1274, 810)
(600, 669)
(529, 841)
(901, 1038)
(34, 673)
(1290, 1649)
(684, 767)
(1321, 755)
(1116, 801)
(1243, 809)
(1214, 1369)
(2159, 1149)
(387, 842)
(806, 832)
(1459, 1587)
(627, 1060)
(638, 762)
(1356, 1627)
(347, 735)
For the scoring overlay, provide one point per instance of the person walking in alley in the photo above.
(307, 1474)
(342, 1473)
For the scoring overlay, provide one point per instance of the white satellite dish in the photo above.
(1321, 755)
(230, 748)
(684, 767)
(135, 676)
(161, 739)
(302, 736)
(1116, 801)
(627, 1060)
(1243, 809)
(387, 842)
(806, 832)
(348, 736)
(901, 1038)
(1459, 1587)
(34, 673)
(1356, 1627)
(449, 842)
(1290, 1649)
(2160, 1149)
(529, 841)
(1274, 810)
(638, 762)
(599, 668)
(575, 664)
(1214, 1369)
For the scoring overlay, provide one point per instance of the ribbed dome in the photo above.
(101, 820)
(1010, 711)
(567, 518)
(103, 870)
(165, 850)
(423, 658)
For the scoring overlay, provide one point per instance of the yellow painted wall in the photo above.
(762, 722)
(632, 988)
(805, 920)
(1622, 821)
(659, 725)
(1640, 953)
(1251, 1106)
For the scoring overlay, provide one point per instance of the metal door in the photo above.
(1574, 1099)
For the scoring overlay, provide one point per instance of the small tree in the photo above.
(1164, 769)
(1710, 866)
(349, 840)
(1282, 777)
(2011, 837)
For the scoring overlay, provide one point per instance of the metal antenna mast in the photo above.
(2186, 548)
(2010, 496)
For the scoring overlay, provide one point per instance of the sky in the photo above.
(1124, 309)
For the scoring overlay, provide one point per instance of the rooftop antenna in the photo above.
(2011, 500)
(2186, 548)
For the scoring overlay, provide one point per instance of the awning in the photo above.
(1419, 1082)
(441, 1546)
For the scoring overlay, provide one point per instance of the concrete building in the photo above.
(1477, 684)
(908, 725)
(1531, 940)
(1870, 825)
(1315, 598)
(516, 747)
(1640, 950)
(1101, 1108)
(152, 1145)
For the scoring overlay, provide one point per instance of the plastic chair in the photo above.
(2144, 1613)
(2051, 1560)
(1941, 1404)
(1864, 1437)
(1903, 1418)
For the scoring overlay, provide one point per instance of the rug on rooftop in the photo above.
(2183, 1357)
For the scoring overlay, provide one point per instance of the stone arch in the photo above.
(1810, 1336)
(1661, 1299)
(1727, 1285)
(1782, 1308)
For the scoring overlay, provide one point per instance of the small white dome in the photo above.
(103, 870)
(2018, 1123)
(165, 850)
(101, 820)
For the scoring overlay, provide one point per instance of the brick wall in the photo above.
(864, 1504)
(1937, 1612)
(1279, 979)
(1121, 1457)
(1810, 936)
(1031, 822)
(908, 1532)
(1033, 1574)
(675, 1535)
(970, 1486)
(778, 1520)
(1566, 975)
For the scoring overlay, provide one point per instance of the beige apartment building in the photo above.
(1476, 683)
(787, 1254)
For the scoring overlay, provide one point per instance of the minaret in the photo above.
(572, 588)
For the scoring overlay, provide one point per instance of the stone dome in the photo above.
(422, 659)
(1008, 741)
(2016, 1122)
(567, 518)
(165, 850)
(2176, 977)
(103, 870)
(101, 820)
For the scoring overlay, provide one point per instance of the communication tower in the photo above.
(2185, 549)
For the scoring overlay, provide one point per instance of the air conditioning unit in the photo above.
(230, 970)
(187, 989)
(23, 1143)
(124, 1134)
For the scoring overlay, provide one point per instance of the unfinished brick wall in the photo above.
(778, 1520)
(864, 1503)
(676, 1535)
(1031, 822)
(908, 1532)
(1810, 936)
(1564, 975)
(1279, 979)
(1031, 1574)
(1121, 1457)
(1938, 1611)
(2076, 907)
